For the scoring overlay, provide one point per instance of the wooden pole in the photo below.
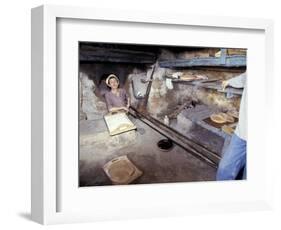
(190, 146)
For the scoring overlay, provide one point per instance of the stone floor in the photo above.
(140, 146)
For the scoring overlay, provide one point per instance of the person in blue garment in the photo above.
(234, 158)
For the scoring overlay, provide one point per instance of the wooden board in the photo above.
(118, 123)
(121, 170)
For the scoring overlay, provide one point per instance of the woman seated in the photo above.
(117, 98)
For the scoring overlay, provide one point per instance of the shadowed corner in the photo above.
(25, 215)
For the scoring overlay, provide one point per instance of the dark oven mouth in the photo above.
(165, 144)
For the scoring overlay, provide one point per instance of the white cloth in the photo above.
(169, 83)
(241, 82)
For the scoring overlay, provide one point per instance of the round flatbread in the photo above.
(187, 78)
(228, 117)
(218, 118)
(233, 113)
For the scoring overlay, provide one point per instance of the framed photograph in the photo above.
(134, 114)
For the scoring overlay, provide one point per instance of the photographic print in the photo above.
(161, 114)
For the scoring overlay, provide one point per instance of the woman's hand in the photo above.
(125, 108)
(117, 109)
(128, 104)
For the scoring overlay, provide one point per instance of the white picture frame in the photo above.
(48, 177)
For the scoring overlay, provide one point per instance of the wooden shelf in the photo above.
(208, 85)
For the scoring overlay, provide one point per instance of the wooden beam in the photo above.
(223, 57)
(190, 146)
(116, 55)
(142, 104)
(90, 59)
(114, 50)
(229, 61)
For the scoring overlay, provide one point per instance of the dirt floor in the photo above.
(140, 146)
